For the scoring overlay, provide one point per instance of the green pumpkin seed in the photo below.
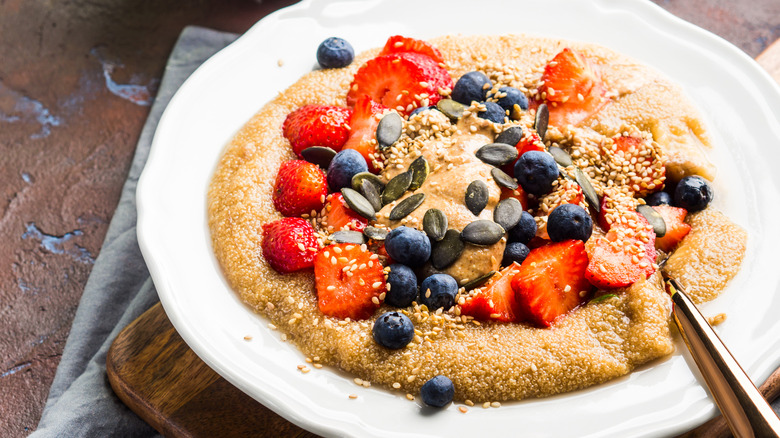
(477, 195)
(479, 281)
(587, 189)
(655, 219)
(510, 136)
(318, 155)
(348, 236)
(601, 298)
(497, 154)
(482, 232)
(358, 203)
(389, 130)
(561, 157)
(542, 117)
(435, 224)
(502, 179)
(446, 251)
(419, 169)
(396, 187)
(507, 213)
(451, 109)
(369, 191)
(373, 179)
(375, 233)
(406, 207)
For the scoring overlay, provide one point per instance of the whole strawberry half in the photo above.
(401, 81)
(300, 187)
(496, 300)
(638, 156)
(622, 256)
(348, 280)
(289, 244)
(363, 124)
(317, 125)
(676, 228)
(573, 88)
(551, 281)
(399, 44)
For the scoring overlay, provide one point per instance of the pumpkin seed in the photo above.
(655, 219)
(369, 191)
(396, 187)
(405, 207)
(479, 281)
(561, 157)
(601, 298)
(510, 136)
(318, 155)
(419, 169)
(389, 130)
(447, 250)
(587, 189)
(360, 204)
(502, 179)
(373, 179)
(435, 224)
(482, 232)
(348, 236)
(451, 108)
(497, 154)
(542, 117)
(507, 213)
(375, 233)
(477, 196)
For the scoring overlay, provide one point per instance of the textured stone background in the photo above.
(76, 82)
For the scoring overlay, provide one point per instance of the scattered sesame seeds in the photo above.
(247, 338)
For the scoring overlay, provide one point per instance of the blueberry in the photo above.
(471, 87)
(514, 252)
(569, 221)
(408, 246)
(659, 198)
(493, 112)
(536, 171)
(343, 167)
(335, 53)
(403, 286)
(420, 109)
(438, 291)
(693, 193)
(393, 330)
(438, 391)
(525, 230)
(513, 97)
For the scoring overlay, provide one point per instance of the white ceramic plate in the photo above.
(738, 99)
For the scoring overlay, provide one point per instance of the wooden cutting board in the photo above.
(154, 373)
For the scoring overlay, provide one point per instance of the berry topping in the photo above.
(525, 230)
(508, 98)
(363, 125)
(515, 252)
(693, 193)
(676, 228)
(408, 246)
(401, 81)
(403, 286)
(623, 256)
(338, 216)
(630, 154)
(300, 188)
(496, 300)
(393, 330)
(551, 281)
(399, 44)
(437, 392)
(659, 198)
(536, 171)
(317, 125)
(473, 86)
(569, 221)
(438, 291)
(335, 52)
(348, 281)
(493, 112)
(288, 243)
(343, 167)
(572, 88)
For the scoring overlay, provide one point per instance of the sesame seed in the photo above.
(247, 338)
(463, 409)
(353, 396)
(495, 404)
(409, 397)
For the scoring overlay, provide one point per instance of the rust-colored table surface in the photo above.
(76, 82)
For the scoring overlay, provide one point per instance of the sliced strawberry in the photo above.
(289, 244)
(300, 188)
(625, 255)
(572, 88)
(518, 194)
(347, 281)
(362, 138)
(317, 125)
(401, 81)
(338, 215)
(676, 228)
(551, 281)
(496, 300)
(398, 44)
(640, 157)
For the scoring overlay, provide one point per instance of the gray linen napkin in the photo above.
(81, 402)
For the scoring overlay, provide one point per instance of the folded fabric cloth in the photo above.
(81, 403)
